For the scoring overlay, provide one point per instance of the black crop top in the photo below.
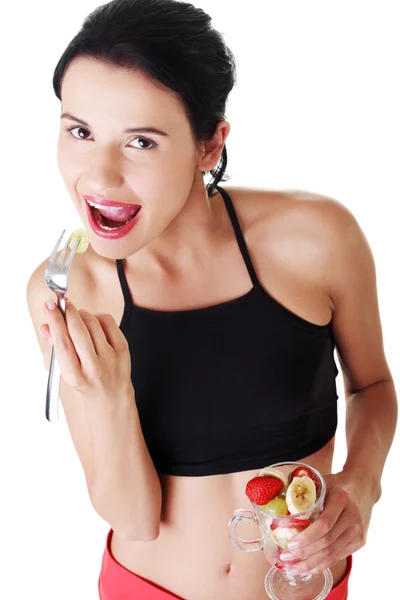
(230, 387)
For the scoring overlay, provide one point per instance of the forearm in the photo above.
(125, 488)
(371, 416)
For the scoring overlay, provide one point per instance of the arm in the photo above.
(125, 490)
(123, 485)
(371, 416)
(371, 405)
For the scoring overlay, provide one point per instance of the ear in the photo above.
(210, 152)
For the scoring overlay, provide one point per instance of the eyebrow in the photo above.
(146, 129)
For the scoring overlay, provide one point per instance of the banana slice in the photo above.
(301, 494)
(82, 236)
(272, 472)
(283, 535)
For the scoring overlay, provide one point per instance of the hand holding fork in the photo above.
(57, 279)
(93, 353)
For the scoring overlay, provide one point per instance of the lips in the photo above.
(100, 228)
(115, 211)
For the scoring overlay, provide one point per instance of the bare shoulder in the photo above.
(289, 207)
(304, 228)
(303, 246)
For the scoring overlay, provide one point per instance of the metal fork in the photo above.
(57, 279)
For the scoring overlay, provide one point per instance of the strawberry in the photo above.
(302, 472)
(298, 523)
(262, 490)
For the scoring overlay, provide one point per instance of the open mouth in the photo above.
(109, 224)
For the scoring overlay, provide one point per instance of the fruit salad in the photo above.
(286, 502)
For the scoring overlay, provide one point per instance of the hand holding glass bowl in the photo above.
(286, 497)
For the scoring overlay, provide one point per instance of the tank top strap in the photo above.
(124, 284)
(239, 235)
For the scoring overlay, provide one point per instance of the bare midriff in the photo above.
(193, 556)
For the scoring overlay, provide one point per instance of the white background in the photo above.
(316, 107)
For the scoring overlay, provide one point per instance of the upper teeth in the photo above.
(100, 206)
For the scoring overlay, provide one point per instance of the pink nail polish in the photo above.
(51, 305)
(286, 556)
(43, 332)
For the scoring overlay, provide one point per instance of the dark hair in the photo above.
(173, 43)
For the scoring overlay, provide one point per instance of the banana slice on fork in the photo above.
(82, 236)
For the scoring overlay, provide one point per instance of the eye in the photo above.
(71, 129)
(146, 141)
(81, 137)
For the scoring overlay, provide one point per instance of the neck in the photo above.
(189, 241)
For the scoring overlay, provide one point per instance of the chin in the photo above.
(111, 250)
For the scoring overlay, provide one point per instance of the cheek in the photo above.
(163, 182)
(176, 179)
(68, 164)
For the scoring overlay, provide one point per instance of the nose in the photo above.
(103, 172)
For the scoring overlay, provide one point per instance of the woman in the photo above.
(229, 304)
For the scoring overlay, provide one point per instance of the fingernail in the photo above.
(287, 556)
(50, 304)
(294, 572)
(44, 334)
(293, 544)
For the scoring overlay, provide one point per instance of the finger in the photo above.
(96, 332)
(334, 506)
(350, 548)
(45, 331)
(314, 532)
(327, 539)
(63, 345)
(317, 562)
(80, 335)
(114, 335)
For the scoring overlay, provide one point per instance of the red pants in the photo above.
(117, 583)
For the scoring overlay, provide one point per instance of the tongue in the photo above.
(119, 215)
